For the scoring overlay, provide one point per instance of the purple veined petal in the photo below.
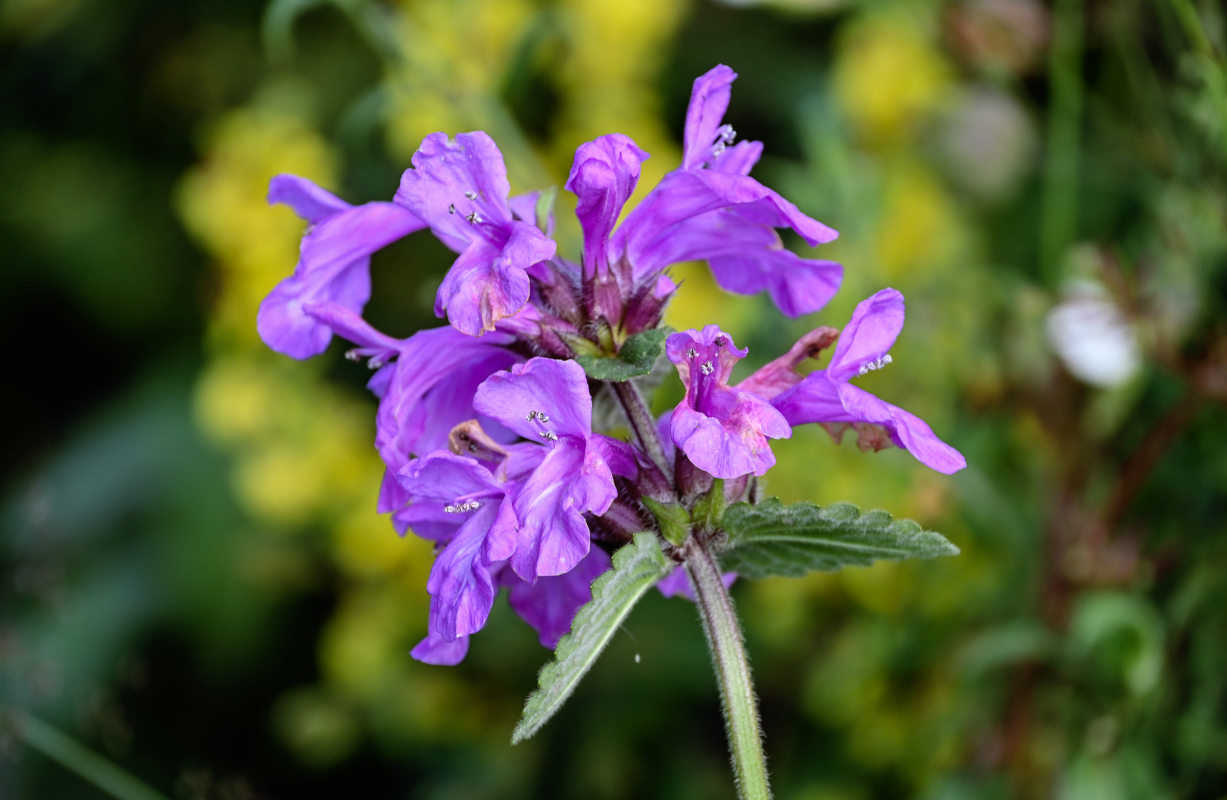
(709, 99)
(334, 268)
(346, 323)
(553, 535)
(603, 177)
(550, 603)
(865, 340)
(677, 583)
(539, 399)
(460, 585)
(797, 286)
(459, 186)
(732, 441)
(307, 199)
(436, 650)
(907, 430)
(476, 294)
(704, 360)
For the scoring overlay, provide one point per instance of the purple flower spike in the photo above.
(334, 266)
(603, 177)
(826, 396)
(549, 604)
(721, 430)
(710, 209)
(459, 187)
(451, 492)
(547, 401)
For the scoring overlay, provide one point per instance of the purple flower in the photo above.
(459, 187)
(710, 209)
(549, 603)
(547, 401)
(425, 384)
(334, 266)
(603, 177)
(677, 583)
(458, 502)
(826, 396)
(722, 430)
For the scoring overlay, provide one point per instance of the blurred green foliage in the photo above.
(195, 584)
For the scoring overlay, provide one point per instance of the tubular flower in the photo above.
(827, 396)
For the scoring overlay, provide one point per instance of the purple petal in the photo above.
(778, 376)
(603, 177)
(446, 478)
(542, 386)
(553, 535)
(436, 650)
(549, 604)
(460, 585)
(732, 441)
(797, 285)
(307, 199)
(907, 430)
(711, 346)
(814, 399)
(524, 207)
(458, 186)
(334, 268)
(480, 289)
(875, 325)
(709, 99)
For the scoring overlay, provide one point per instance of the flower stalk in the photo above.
(728, 652)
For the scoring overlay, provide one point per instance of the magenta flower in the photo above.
(334, 266)
(827, 396)
(549, 604)
(459, 187)
(547, 401)
(722, 430)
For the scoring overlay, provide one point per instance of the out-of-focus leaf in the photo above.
(774, 539)
(1119, 634)
(636, 568)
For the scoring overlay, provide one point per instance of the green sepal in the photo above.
(582, 346)
(774, 539)
(709, 509)
(636, 568)
(674, 520)
(637, 357)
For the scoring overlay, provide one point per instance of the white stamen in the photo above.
(451, 208)
(461, 507)
(471, 194)
(706, 368)
(691, 353)
(872, 365)
(549, 435)
(473, 217)
(353, 355)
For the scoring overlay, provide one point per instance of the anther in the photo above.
(451, 208)
(720, 341)
(872, 365)
(707, 368)
(472, 195)
(473, 217)
(691, 353)
(549, 436)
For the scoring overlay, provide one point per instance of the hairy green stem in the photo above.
(732, 671)
(642, 423)
(73, 755)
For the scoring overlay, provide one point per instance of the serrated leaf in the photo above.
(637, 357)
(636, 568)
(774, 539)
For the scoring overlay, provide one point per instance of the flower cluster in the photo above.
(486, 425)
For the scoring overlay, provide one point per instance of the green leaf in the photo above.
(636, 568)
(773, 539)
(637, 357)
